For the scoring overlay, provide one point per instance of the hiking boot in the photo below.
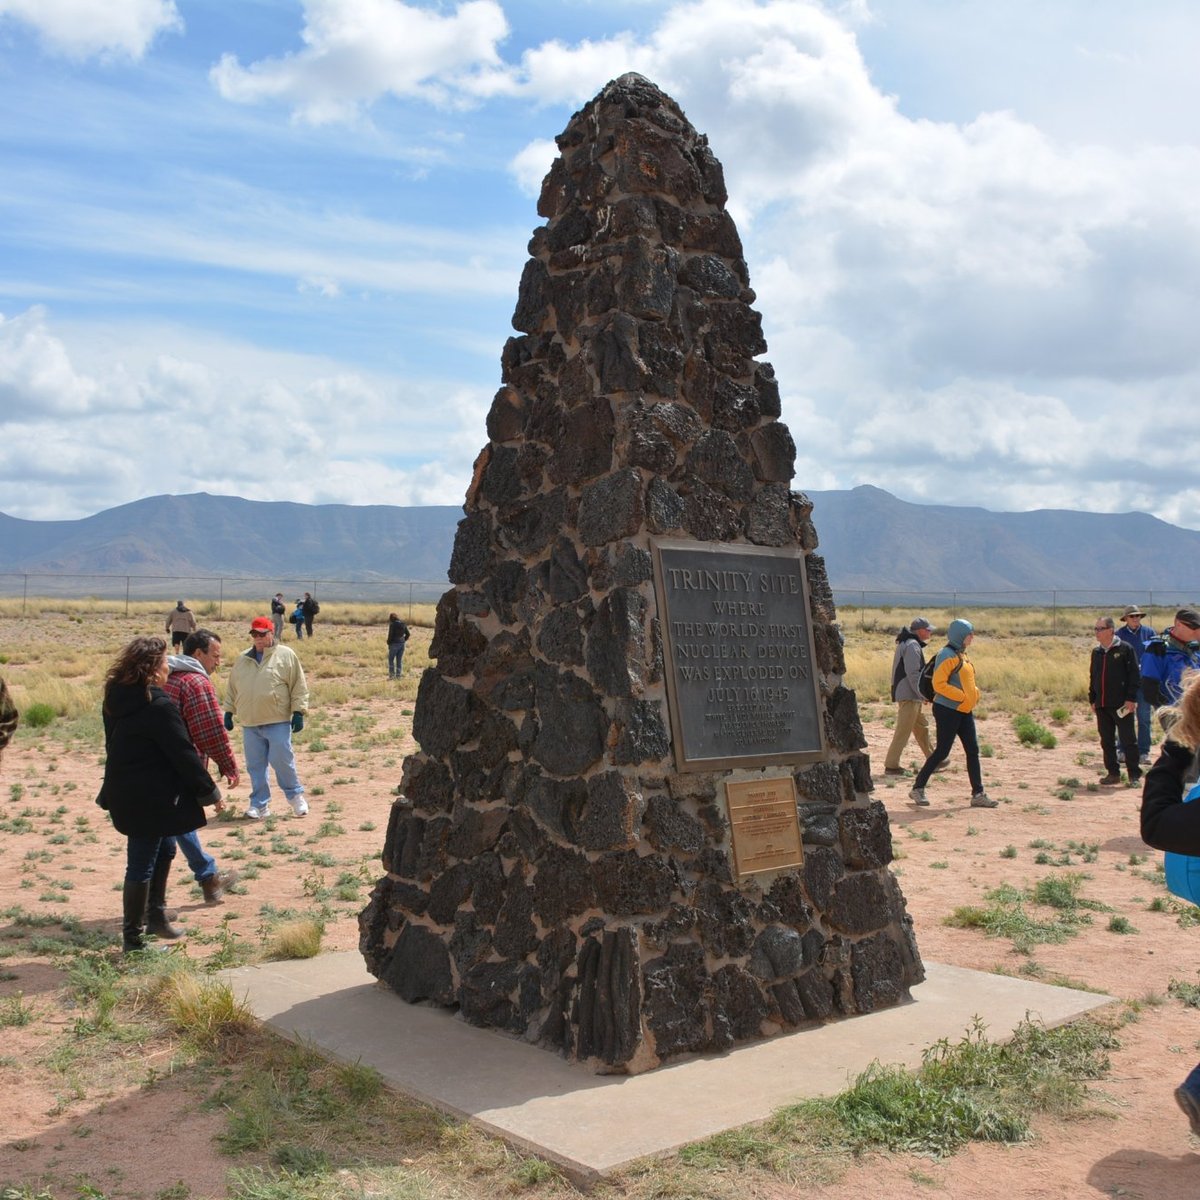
(214, 886)
(1111, 780)
(894, 771)
(983, 800)
(917, 796)
(1144, 761)
(299, 806)
(1191, 1108)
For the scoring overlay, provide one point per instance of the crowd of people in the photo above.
(165, 723)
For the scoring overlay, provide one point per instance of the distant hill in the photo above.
(869, 538)
(225, 535)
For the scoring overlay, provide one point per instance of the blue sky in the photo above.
(270, 248)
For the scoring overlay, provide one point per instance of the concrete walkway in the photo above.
(591, 1125)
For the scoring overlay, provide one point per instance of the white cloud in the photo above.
(82, 28)
(530, 165)
(318, 434)
(358, 51)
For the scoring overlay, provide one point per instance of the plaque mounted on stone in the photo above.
(741, 674)
(764, 826)
(549, 870)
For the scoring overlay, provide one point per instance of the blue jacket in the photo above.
(1163, 663)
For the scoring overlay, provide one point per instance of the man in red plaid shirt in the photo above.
(190, 688)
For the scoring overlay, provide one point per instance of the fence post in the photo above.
(127, 595)
(24, 594)
(862, 612)
(1054, 609)
(220, 599)
(410, 602)
(954, 606)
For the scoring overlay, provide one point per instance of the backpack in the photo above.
(925, 683)
(1183, 870)
(316, 608)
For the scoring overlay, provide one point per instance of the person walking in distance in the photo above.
(956, 695)
(1113, 684)
(268, 694)
(397, 639)
(278, 610)
(907, 662)
(310, 608)
(180, 622)
(190, 688)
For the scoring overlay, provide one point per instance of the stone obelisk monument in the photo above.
(639, 822)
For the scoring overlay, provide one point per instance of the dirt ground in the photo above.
(947, 855)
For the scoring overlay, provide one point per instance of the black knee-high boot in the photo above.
(134, 926)
(156, 900)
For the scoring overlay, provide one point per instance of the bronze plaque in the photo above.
(742, 688)
(764, 825)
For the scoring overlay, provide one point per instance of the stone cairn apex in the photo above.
(549, 872)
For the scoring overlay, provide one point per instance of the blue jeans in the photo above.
(144, 854)
(395, 658)
(952, 724)
(270, 745)
(1145, 719)
(203, 865)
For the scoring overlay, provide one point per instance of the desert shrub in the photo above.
(1030, 733)
(39, 715)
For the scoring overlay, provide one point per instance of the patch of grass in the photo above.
(15, 1012)
(970, 1090)
(1120, 925)
(295, 939)
(1009, 852)
(1186, 993)
(1006, 914)
(38, 716)
(1030, 733)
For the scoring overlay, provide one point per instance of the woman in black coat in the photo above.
(155, 784)
(1170, 824)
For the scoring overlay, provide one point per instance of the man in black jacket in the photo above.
(1112, 693)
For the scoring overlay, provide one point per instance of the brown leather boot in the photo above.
(214, 886)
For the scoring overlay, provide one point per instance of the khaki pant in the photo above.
(910, 722)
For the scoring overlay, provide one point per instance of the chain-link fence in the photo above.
(1048, 610)
(115, 593)
(1044, 611)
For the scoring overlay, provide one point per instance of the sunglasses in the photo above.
(256, 633)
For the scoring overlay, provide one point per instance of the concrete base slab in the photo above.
(591, 1125)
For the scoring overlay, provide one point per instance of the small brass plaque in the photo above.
(764, 824)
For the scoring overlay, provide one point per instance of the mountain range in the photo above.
(871, 540)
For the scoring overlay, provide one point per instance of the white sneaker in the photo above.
(258, 814)
(299, 806)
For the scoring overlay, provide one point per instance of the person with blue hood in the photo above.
(955, 696)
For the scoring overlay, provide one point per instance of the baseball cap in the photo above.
(920, 623)
(262, 624)
(1131, 610)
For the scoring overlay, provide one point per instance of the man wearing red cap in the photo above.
(268, 694)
